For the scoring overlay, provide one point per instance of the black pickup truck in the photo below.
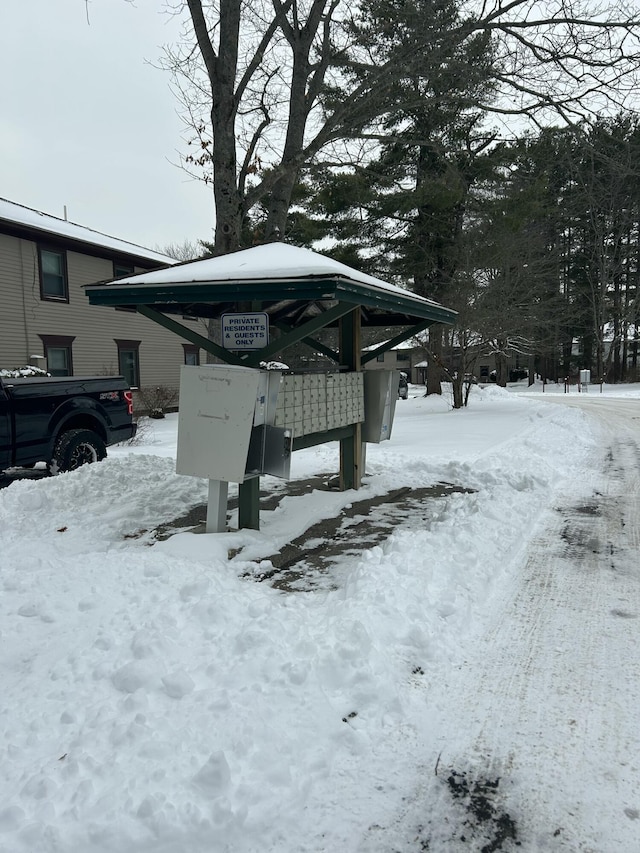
(64, 422)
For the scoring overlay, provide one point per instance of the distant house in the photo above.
(403, 357)
(45, 316)
(411, 358)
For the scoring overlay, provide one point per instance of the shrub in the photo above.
(156, 401)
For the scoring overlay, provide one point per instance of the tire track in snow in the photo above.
(547, 699)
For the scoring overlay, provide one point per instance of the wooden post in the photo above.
(249, 504)
(351, 447)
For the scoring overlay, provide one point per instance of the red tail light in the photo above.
(128, 396)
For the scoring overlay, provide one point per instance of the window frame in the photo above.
(126, 346)
(125, 269)
(53, 250)
(193, 350)
(60, 342)
(119, 270)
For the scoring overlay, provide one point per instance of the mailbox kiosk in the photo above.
(224, 435)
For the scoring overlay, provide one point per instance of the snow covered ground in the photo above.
(468, 685)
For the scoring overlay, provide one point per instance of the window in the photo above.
(118, 271)
(191, 354)
(54, 284)
(402, 356)
(121, 269)
(128, 362)
(57, 351)
(59, 361)
(380, 357)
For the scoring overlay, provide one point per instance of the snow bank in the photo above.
(156, 700)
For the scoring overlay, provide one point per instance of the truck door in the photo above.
(5, 431)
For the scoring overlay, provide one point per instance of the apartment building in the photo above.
(46, 318)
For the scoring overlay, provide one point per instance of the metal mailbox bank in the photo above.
(237, 421)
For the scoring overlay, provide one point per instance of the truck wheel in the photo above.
(75, 448)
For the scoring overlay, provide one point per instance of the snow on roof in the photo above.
(273, 261)
(12, 212)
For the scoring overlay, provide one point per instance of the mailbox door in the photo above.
(217, 406)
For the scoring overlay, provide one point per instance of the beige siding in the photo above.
(390, 362)
(13, 346)
(24, 316)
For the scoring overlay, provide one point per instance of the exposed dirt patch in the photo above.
(483, 826)
(304, 563)
(589, 509)
(578, 533)
(195, 519)
(624, 614)
(479, 799)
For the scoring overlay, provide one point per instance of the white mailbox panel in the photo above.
(380, 395)
(217, 408)
(312, 403)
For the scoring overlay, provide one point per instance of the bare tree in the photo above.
(185, 251)
(255, 81)
(264, 69)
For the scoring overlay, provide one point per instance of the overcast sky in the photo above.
(88, 123)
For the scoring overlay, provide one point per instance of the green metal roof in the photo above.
(289, 283)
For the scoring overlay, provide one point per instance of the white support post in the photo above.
(217, 506)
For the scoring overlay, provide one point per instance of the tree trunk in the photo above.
(307, 75)
(457, 391)
(501, 369)
(434, 371)
(221, 70)
(279, 200)
(600, 359)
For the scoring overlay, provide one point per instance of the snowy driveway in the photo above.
(538, 728)
(468, 685)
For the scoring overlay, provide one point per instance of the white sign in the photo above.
(245, 331)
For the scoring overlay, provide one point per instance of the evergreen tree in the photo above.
(604, 199)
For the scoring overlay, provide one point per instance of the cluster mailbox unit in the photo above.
(236, 423)
(317, 402)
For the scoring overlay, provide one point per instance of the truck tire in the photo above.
(75, 448)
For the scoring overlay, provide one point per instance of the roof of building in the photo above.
(24, 221)
(288, 281)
